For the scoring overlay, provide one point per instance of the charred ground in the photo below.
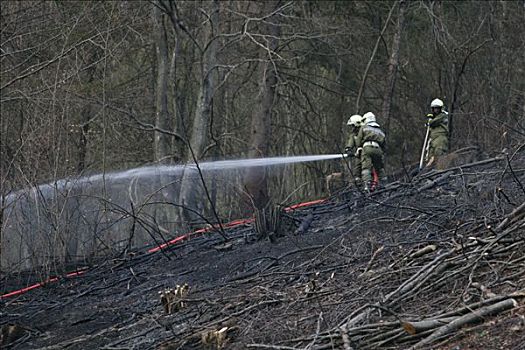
(446, 247)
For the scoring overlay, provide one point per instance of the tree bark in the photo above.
(86, 114)
(162, 143)
(191, 184)
(255, 179)
(178, 145)
(374, 51)
(393, 65)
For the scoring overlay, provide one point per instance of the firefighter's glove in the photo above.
(358, 152)
(429, 119)
(348, 152)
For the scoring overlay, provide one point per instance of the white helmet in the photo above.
(369, 117)
(436, 103)
(355, 120)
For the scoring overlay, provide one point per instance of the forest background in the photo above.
(92, 87)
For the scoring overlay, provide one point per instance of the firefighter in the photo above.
(351, 147)
(438, 123)
(370, 141)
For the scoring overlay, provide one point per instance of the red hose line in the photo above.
(198, 232)
(305, 204)
(40, 284)
(160, 247)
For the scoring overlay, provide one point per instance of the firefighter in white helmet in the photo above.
(351, 148)
(438, 123)
(371, 141)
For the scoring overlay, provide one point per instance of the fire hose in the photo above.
(176, 240)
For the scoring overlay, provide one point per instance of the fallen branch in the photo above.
(475, 316)
(379, 250)
(420, 326)
(515, 214)
(434, 182)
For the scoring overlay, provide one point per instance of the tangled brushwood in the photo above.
(452, 282)
(431, 262)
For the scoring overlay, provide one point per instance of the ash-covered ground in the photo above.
(436, 261)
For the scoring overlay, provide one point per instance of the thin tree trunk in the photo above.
(255, 179)
(191, 184)
(393, 64)
(217, 121)
(82, 150)
(178, 126)
(374, 51)
(162, 143)
(86, 115)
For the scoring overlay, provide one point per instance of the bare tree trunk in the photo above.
(191, 183)
(255, 179)
(178, 127)
(4, 173)
(393, 64)
(162, 143)
(217, 122)
(86, 114)
(374, 51)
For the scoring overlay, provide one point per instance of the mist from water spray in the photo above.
(121, 209)
(170, 170)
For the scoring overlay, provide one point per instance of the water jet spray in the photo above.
(90, 212)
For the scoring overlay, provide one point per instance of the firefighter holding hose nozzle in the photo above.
(351, 148)
(371, 141)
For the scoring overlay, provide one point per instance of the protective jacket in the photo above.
(372, 140)
(438, 125)
(351, 144)
(370, 132)
(438, 134)
(351, 148)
